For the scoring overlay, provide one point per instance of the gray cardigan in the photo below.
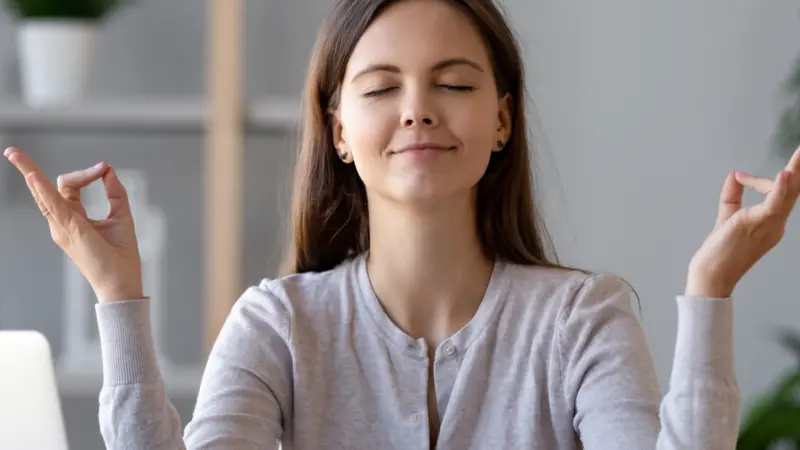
(312, 361)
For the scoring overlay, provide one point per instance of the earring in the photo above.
(344, 156)
(500, 144)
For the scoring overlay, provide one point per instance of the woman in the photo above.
(421, 309)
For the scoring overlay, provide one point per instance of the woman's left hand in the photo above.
(742, 236)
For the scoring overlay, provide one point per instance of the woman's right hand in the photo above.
(105, 251)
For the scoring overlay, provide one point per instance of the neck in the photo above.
(427, 267)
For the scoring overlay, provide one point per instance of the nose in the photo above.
(418, 116)
(411, 121)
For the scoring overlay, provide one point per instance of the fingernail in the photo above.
(740, 174)
(98, 165)
(7, 152)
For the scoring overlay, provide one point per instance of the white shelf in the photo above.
(279, 113)
(158, 114)
(179, 382)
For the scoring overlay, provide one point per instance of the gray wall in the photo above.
(644, 108)
(641, 109)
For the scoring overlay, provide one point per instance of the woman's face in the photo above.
(419, 112)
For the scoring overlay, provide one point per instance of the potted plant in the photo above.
(775, 417)
(55, 44)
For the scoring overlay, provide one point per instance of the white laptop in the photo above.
(30, 409)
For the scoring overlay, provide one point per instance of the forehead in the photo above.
(416, 33)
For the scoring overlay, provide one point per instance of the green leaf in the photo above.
(781, 423)
(787, 138)
(775, 417)
(791, 341)
(793, 82)
(64, 9)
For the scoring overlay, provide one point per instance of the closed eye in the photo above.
(457, 88)
(379, 92)
(451, 87)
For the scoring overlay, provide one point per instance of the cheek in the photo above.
(367, 129)
(475, 127)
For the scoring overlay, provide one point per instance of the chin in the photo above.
(426, 194)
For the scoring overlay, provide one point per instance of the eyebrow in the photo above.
(441, 65)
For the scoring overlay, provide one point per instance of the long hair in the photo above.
(329, 216)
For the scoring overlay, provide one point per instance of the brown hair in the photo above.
(329, 218)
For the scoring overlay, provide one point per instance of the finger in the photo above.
(50, 202)
(730, 199)
(47, 198)
(66, 227)
(759, 184)
(116, 194)
(21, 161)
(36, 197)
(70, 184)
(777, 202)
(794, 162)
(793, 191)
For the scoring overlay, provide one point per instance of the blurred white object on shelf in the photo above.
(55, 58)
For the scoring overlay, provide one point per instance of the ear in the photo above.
(503, 130)
(337, 131)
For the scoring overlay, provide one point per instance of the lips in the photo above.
(424, 147)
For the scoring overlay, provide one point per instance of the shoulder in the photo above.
(573, 307)
(564, 290)
(544, 281)
(306, 297)
(583, 303)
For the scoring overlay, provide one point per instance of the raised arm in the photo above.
(610, 382)
(246, 385)
(608, 375)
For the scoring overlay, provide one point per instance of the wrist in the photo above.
(701, 287)
(117, 295)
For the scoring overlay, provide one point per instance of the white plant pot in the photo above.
(56, 58)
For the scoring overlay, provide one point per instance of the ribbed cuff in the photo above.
(126, 343)
(705, 337)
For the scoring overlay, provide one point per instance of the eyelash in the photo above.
(458, 88)
(455, 88)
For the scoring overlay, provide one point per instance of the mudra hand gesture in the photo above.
(105, 250)
(742, 236)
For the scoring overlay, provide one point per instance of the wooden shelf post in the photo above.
(224, 164)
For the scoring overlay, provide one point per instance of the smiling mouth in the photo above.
(424, 148)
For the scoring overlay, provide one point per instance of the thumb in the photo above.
(779, 201)
(116, 194)
(730, 199)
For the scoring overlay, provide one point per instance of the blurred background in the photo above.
(638, 111)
